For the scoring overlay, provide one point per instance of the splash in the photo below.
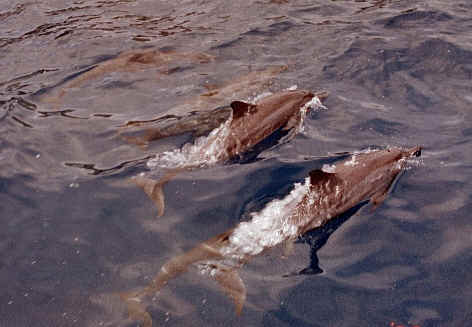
(267, 228)
(409, 163)
(352, 162)
(329, 168)
(314, 104)
(205, 151)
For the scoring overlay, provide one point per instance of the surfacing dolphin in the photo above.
(322, 196)
(238, 129)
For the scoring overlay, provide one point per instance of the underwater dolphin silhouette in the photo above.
(246, 125)
(127, 61)
(324, 195)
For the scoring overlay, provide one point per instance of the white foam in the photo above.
(329, 168)
(267, 228)
(209, 268)
(409, 162)
(352, 162)
(314, 104)
(206, 150)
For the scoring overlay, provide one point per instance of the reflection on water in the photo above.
(80, 81)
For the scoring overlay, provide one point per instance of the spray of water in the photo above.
(268, 227)
(205, 151)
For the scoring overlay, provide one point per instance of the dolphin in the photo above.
(325, 194)
(128, 61)
(217, 95)
(242, 126)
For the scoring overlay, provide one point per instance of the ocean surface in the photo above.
(79, 79)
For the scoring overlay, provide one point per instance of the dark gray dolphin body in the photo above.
(324, 195)
(250, 124)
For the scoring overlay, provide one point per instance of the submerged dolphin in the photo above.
(324, 195)
(128, 61)
(245, 126)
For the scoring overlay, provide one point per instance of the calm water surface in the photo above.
(76, 232)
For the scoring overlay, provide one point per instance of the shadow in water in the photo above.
(277, 138)
(317, 238)
(283, 315)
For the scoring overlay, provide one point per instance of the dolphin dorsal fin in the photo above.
(241, 108)
(319, 176)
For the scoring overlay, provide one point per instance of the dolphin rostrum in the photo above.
(241, 127)
(322, 196)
